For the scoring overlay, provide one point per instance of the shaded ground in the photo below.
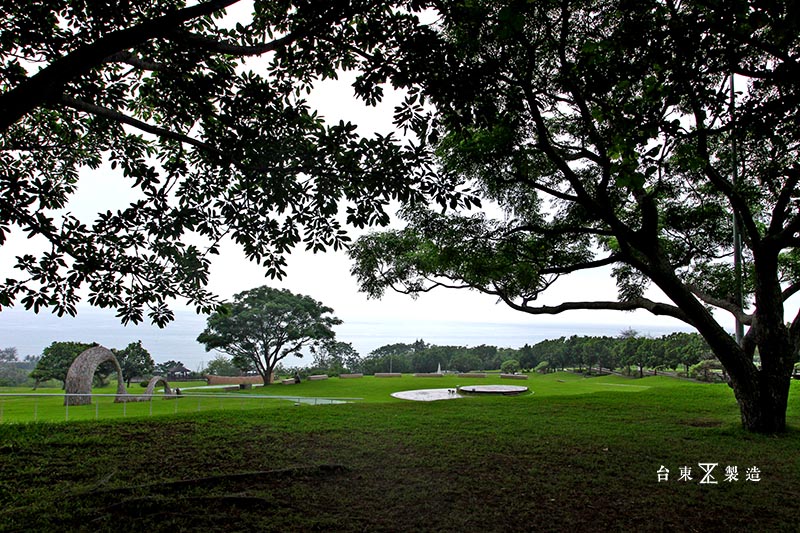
(586, 463)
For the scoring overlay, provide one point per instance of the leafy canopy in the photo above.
(56, 360)
(135, 361)
(263, 326)
(206, 123)
(606, 134)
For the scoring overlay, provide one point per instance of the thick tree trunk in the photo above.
(763, 398)
(763, 407)
(761, 393)
(265, 376)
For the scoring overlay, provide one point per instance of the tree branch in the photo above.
(723, 185)
(787, 236)
(730, 307)
(547, 190)
(752, 41)
(588, 265)
(779, 212)
(47, 84)
(605, 213)
(133, 60)
(433, 285)
(655, 308)
(791, 290)
(544, 230)
(579, 99)
(112, 114)
(221, 47)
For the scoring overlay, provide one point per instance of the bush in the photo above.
(542, 367)
(318, 370)
(511, 366)
(708, 370)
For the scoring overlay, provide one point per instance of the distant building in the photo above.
(179, 372)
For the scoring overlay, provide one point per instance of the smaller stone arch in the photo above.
(78, 385)
(148, 393)
(153, 383)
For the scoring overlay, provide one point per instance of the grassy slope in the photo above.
(554, 460)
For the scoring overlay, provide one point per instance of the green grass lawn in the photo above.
(372, 389)
(577, 454)
(21, 404)
(50, 408)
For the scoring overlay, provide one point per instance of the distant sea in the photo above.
(30, 333)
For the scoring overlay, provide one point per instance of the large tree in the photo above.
(135, 361)
(605, 131)
(263, 326)
(206, 122)
(222, 366)
(336, 357)
(56, 360)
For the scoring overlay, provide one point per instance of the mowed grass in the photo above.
(578, 454)
(21, 404)
(37, 408)
(371, 389)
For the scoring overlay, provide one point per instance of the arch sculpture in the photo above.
(78, 385)
(153, 383)
(148, 392)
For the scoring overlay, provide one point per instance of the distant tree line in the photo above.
(261, 327)
(423, 357)
(13, 370)
(629, 353)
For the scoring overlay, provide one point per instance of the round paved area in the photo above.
(506, 390)
(427, 395)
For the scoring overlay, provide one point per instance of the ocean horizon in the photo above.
(30, 333)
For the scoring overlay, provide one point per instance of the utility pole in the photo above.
(737, 238)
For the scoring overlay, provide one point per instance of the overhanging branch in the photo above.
(656, 308)
(112, 114)
(560, 230)
(780, 211)
(222, 47)
(133, 60)
(425, 289)
(791, 290)
(47, 84)
(730, 307)
(588, 265)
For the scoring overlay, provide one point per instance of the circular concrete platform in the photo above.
(505, 390)
(427, 395)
